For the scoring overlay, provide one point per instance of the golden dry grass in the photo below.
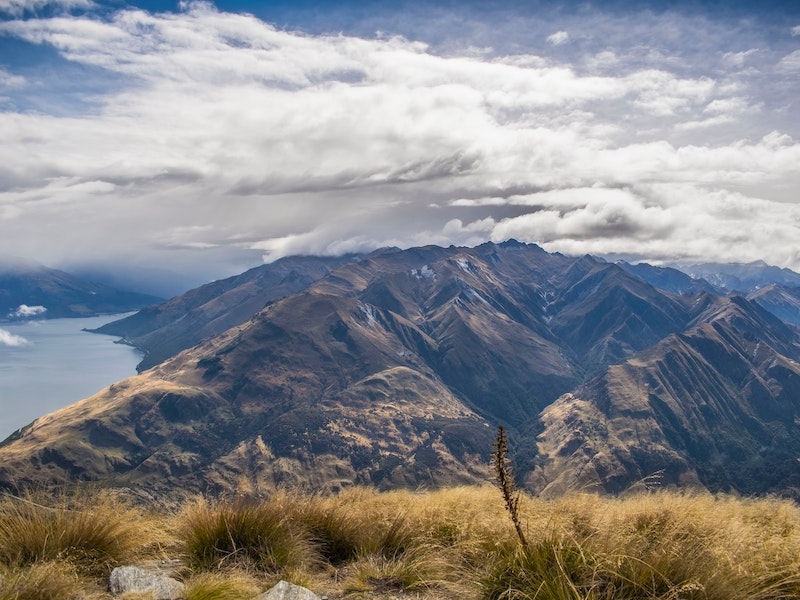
(452, 543)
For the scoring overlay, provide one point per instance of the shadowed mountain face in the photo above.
(393, 369)
(717, 406)
(50, 293)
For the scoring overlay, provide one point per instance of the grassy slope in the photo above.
(452, 543)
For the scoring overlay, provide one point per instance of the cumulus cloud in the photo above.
(24, 311)
(558, 38)
(11, 340)
(227, 136)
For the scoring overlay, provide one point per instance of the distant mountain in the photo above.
(394, 368)
(668, 279)
(775, 289)
(742, 277)
(781, 301)
(162, 330)
(29, 289)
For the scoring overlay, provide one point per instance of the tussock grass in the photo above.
(452, 543)
(93, 533)
(337, 531)
(50, 580)
(663, 546)
(222, 585)
(245, 533)
(419, 569)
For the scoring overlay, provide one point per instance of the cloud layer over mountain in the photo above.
(207, 139)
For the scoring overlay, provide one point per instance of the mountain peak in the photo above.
(395, 369)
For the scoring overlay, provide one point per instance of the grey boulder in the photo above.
(134, 579)
(284, 590)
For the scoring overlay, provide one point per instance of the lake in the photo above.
(48, 364)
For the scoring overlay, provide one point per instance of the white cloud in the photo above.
(229, 135)
(9, 81)
(558, 38)
(790, 62)
(738, 59)
(18, 8)
(661, 221)
(603, 60)
(24, 311)
(9, 339)
(796, 30)
(732, 105)
(704, 123)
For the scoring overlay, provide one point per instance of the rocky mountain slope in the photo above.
(49, 293)
(717, 406)
(163, 330)
(394, 369)
(781, 301)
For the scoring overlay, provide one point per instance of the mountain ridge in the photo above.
(394, 368)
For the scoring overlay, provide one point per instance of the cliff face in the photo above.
(395, 368)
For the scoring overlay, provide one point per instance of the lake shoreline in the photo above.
(46, 364)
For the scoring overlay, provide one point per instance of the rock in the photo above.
(134, 579)
(284, 590)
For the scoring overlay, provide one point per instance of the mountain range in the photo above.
(395, 368)
(29, 289)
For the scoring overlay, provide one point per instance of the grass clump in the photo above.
(554, 568)
(244, 533)
(336, 530)
(224, 585)
(50, 580)
(663, 546)
(93, 533)
(414, 570)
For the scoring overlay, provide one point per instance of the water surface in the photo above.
(48, 364)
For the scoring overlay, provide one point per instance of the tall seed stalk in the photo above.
(505, 481)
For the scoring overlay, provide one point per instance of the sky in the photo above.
(167, 144)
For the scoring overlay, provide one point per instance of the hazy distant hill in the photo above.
(742, 277)
(28, 289)
(394, 368)
(669, 279)
(775, 289)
